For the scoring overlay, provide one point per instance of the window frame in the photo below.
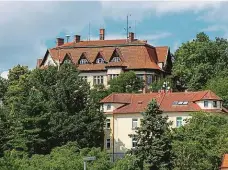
(108, 143)
(179, 123)
(205, 103)
(100, 60)
(83, 61)
(134, 142)
(215, 104)
(134, 120)
(116, 59)
(108, 123)
(109, 107)
(98, 80)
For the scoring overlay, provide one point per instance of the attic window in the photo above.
(83, 61)
(99, 60)
(180, 102)
(116, 59)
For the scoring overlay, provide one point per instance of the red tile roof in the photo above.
(138, 102)
(224, 162)
(134, 55)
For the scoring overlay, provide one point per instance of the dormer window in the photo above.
(99, 60)
(83, 61)
(116, 59)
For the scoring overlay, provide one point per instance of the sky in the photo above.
(28, 29)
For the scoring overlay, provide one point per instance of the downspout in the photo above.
(113, 138)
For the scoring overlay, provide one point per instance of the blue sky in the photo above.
(27, 29)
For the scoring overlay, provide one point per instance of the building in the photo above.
(101, 60)
(224, 165)
(123, 112)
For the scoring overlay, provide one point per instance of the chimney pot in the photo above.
(59, 41)
(77, 38)
(131, 36)
(102, 34)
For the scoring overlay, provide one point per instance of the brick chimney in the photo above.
(102, 34)
(59, 41)
(131, 36)
(77, 38)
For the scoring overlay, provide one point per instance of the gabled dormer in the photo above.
(99, 58)
(83, 59)
(67, 59)
(116, 56)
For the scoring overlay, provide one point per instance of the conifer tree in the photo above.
(153, 148)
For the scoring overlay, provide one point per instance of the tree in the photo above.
(126, 82)
(153, 141)
(3, 87)
(127, 163)
(201, 143)
(55, 108)
(219, 85)
(200, 60)
(158, 85)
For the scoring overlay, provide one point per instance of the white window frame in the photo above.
(179, 121)
(99, 60)
(140, 76)
(116, 59)
(109, 106)
(134, 123)
(98, 80)
(134, 142)
(108, 141)
(83, 61)
(84, 78)
(107, 124)
(112, 76)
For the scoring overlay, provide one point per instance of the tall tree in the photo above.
(201, 143)
(153, 141)
(126, 82)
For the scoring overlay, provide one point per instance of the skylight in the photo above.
(180, 102)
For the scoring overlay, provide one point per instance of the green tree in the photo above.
(127, 163)
(201, 143)
(200, 60)
(126, 82)
(3, 87)
(153, 140)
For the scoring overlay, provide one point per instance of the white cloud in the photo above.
(4, 74)
(25, 26)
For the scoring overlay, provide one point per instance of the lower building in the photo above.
(124, 112)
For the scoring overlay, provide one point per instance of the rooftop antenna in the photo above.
(89, 32)
(128, 27)
(67, 37)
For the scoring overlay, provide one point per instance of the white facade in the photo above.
(209, 104)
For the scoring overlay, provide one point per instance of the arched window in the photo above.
(99, 60)
(115, 59)
(83, 61)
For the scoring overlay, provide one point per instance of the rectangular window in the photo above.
(108, 144)
(108, 123)
(98, 80)
(140, 76)
(112, 76)
(179, 121)
(84, 78)
(214, 103)
(134, 142)
(108, 106)
(134, 123)
(149, 79)
(205, 103)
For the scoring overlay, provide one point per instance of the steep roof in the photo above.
(134, 55)
(224, 161)
(135, 103)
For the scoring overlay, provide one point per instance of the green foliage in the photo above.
(127, 163)
(219, 85)
(200, 60)
(153, 141)
(126, 82)
(51, 107)
(67, 157)
(157, 85)
(3, 87)
(201, 143)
